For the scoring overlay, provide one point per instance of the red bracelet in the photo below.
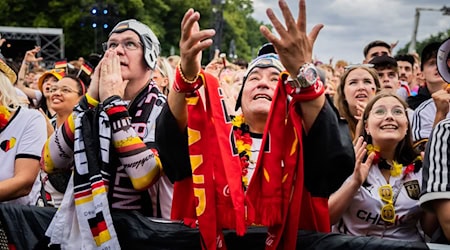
(306, 94)
(183, 85)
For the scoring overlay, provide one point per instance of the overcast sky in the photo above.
(351, 24)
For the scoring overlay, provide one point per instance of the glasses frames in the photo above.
(127, 45)
(381, 112)
(64, 90)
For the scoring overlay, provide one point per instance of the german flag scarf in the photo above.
(85, 205)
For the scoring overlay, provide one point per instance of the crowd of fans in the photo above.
(361, 149)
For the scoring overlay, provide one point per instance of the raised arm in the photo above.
(294, 48)
(30, 57)
(192, 42)
(342, 198)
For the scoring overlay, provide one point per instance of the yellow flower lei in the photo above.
(243, 147)
(396, 168)
(4, 116)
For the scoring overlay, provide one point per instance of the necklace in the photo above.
(4, 117)
(243, 145)
(394, 167)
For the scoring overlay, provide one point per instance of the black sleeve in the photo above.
(172, 146)
(329, 156)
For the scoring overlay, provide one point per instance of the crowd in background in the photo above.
(395, 108)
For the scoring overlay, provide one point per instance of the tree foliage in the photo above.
(163, 17)
(439, 37)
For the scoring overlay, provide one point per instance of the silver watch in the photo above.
(306, 77)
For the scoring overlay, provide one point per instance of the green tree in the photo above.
(163, 16)
(439, 37)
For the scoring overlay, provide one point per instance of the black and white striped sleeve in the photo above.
(436, 174)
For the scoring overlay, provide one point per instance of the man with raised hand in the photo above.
(231, 173)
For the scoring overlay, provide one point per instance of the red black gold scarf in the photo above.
(216, 169)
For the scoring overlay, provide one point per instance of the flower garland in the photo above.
(4, 117)
(243, 145)
(396, 168)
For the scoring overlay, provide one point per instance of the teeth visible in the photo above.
(262, 96)
(389, 127)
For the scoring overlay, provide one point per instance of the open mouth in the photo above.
(389, 126)
(262, 96)
(361, 96)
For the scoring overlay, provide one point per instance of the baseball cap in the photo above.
(58, 73)
(428, 52)
(384, 61)
(147, 37)
(267, 58)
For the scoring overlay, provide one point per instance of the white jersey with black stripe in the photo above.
(362, 218)
(436, 174)
(423, 120)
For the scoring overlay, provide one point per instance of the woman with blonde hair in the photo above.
(22, 136)
(163, 75)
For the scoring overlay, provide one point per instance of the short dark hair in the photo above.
(430, 51)
(406, 58)
(376, 43)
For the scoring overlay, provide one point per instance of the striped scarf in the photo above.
(85, 205)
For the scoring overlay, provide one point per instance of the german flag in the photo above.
(61, 64)
(99, 229)
(86, 69)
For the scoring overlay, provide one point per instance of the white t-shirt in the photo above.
(256, 146)
(362, 218)
(23, 137)
(423, 120)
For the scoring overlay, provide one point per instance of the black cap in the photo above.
(428, 52)
(383, 61)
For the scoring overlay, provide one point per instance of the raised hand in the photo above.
(294, 46)
(361, 170)
(30, 55)
(111, 81)
(192, 42)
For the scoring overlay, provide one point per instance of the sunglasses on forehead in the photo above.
(352, 66)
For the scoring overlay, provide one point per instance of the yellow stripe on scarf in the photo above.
(142, 183)
(127, 142)
(103, 237)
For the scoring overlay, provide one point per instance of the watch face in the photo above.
(310, 75)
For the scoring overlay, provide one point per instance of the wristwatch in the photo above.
(306, 77)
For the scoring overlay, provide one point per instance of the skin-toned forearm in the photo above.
(429, 223)
(340, 200)
(442, 209)
(439, 117)
(21, 74)
(22, 182)
(178, 107)
(310, 111)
